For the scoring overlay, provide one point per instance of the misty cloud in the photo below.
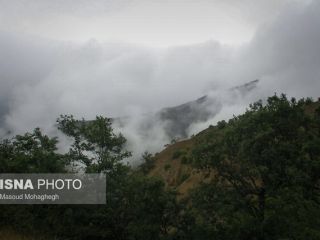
(42, 78)
(156, 23)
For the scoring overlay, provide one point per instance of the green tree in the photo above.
(148, 162)
(267, 186)
(95, 145)
(137, 206)
(31, 153)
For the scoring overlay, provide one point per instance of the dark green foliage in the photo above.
(31, 153)
(267, 186)
(184, 160)
(94, 137)
(138, 207)
(167, 167)
(178, 153)
(221, 124)
(148, 162)
(183, 177)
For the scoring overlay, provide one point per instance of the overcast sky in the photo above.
(153, 22)
(129, 57)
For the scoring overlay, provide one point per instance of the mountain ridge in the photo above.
(174, 163)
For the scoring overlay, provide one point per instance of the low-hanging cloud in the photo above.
(41, 79)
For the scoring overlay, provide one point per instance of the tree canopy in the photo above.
(267, 165)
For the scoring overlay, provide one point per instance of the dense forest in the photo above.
(263, 180)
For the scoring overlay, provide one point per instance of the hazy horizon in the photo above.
(132, 57)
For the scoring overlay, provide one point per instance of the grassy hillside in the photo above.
(253, 177)
(172, 168)
(178, 168)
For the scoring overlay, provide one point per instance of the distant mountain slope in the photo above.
(179, 118)
(175, 121)
(173, 164)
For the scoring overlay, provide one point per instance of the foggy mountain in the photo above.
(178, 119)
(151, 131)
(43, 74)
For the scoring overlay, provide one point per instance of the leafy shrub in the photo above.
(167, 167)
(183, 177)
(184, 160)
(178, 153)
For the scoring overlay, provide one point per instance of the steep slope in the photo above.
(179, 118)
(175, 121)
(175, 163)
